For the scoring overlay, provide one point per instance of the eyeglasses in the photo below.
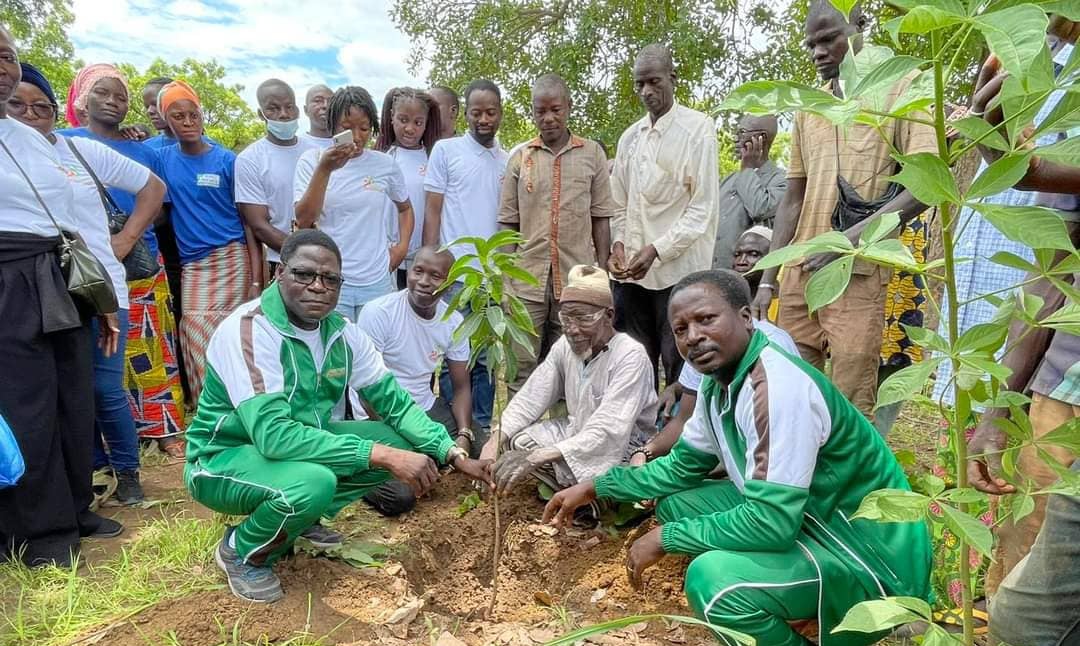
(581, 321)
(40, 110)
(9, 58)
(307, 277)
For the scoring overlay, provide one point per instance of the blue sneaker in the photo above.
(322, 536)
(250, 583)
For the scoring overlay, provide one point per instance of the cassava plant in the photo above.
(496, 322)
(1015, 33)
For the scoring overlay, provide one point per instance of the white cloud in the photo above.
(334, 41)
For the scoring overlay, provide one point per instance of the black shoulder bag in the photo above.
(851, 208)
(87, 281)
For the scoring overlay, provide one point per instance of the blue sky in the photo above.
(302, 42)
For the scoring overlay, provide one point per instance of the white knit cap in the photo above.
(588, 284)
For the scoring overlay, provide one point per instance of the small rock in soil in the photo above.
(543, 598)
(405, 614)
(598, 595)
(446, 639)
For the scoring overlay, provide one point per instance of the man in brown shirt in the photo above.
(849, 329)
(556, 192)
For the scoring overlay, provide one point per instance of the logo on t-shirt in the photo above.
(422, 171)
(369, 183)
(208, 180)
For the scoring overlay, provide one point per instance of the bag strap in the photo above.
(32, 188)
(106, 199)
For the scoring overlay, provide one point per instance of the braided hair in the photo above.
(395, 98)
(347, 98)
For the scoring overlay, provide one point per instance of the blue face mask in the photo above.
(283, 130)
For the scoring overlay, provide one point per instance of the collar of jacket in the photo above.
(273, 308)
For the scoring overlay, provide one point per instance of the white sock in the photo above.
(232, 539)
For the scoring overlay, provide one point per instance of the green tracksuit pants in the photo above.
(282, 498)
(755, 593)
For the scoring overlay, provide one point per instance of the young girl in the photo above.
(410, 127)
(217, 251)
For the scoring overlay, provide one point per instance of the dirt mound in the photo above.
(436, 583)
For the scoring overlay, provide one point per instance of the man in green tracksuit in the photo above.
(268, 442)
(776, 543)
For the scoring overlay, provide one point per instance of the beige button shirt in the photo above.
(552, 198)
(665, 187)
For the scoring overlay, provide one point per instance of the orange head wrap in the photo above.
(173, 92)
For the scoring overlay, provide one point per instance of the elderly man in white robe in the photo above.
(606, 379)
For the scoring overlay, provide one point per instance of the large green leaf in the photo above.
(1067, 435)
(1015, 35)
(905, 382)
(884, 75)
(893, 506)
(984, 337)
(1020, 106)
(976, 128)
(1034, 226)
(1066, 319)
(879, 226)
(497, 319)
(1002, 174)
(968, 528)
(891, 252)
(928, 178)
(828, 241)
(1009, 259)
(1066, 151)
(468, 327)
(877, 615)
(926, 337)
(922, 19)
(844, 6)
(771, 97)
(828, 283)
(520, 275)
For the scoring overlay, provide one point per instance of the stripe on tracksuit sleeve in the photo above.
(245, 357)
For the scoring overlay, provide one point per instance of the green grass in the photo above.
(171, 558)
(232, 635)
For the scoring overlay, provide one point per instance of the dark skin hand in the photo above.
(511, 468)
(644, 553)
(414, 469)
(560, 509)
(616, 263)
(641, 262)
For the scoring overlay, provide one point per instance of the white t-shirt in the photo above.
(413, 164)
(264, 176)
(691, 379)
(354, 211)
(322, 142)
(469, 176)
(313, 340)
(20, 211)
(410, 345)
(114, 171)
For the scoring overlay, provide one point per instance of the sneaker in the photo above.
(91, 525)
(322, 537)
(249, 582)
(128, 489)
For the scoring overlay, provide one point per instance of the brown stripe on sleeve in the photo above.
(760, 384)
(247, 343)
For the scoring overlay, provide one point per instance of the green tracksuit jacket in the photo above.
(777, 542)
(267, 441)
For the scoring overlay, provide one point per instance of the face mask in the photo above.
(283, 130)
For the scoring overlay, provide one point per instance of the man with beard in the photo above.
(776, 542)
(605, 378)
(410, 330)
(316, 106)
(268, 443)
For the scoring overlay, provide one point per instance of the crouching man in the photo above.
(776, 542)
(267, 443)
(607, 382)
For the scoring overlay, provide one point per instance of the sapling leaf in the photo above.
(877, 615)
(903, 383)
(928, 178)
(1015, 35)
(1067, 436)
(879, 226)
(1034, 226)
(893, 506)
(1002, 174)
(968, 528)
(828, 283)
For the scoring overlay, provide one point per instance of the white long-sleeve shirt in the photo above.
(665, 187)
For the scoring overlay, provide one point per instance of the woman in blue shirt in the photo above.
(217, 251)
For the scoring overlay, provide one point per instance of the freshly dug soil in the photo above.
(435, 584)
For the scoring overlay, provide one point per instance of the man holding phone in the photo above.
(750, 195)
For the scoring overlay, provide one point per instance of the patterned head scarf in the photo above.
(84, 82)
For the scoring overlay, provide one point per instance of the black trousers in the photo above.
(170, 253)
(642, 313)
(47, 397)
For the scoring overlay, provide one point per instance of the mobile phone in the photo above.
(343, 137)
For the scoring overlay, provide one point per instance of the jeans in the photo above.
(352, 298)
(483, 391)
(113, 424)
(1038, 603)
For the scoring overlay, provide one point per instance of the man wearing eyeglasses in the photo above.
(606, 379)
(749, 196)
(268, 442)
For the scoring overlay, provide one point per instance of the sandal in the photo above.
(173, 447)
(954, 618)
(104, 486)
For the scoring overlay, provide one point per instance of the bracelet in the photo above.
(644, 450)
(467, 433)
(453, 454)
(767, 286)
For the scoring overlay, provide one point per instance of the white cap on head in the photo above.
(759, 230)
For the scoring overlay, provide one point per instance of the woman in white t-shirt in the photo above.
(346, 191)
(114, 424)
(410, 127)
(46, 395)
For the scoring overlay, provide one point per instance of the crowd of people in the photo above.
(282, 326)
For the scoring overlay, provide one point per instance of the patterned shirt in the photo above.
(552, 198)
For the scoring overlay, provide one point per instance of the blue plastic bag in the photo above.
(11, 459)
